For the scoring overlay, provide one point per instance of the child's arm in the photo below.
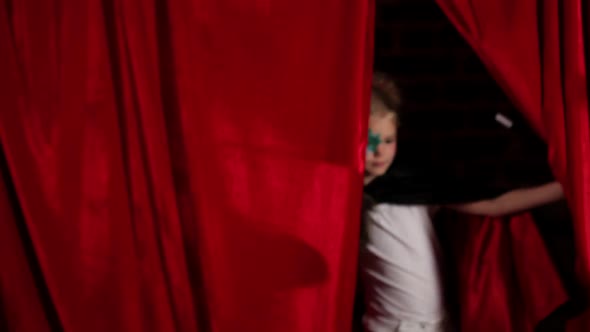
(514, 201)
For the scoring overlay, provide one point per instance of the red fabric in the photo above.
(505, 280)
(538, 52)
(181, 165)
(579, 324)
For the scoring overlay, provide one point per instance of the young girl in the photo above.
(400, 254)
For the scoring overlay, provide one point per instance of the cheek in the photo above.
(391, 150)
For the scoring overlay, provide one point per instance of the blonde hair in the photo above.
(385, 97)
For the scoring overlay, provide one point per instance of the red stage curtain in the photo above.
(181, 165)
(502, 277)
(538, 51)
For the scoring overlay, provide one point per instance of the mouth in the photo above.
(379, 164)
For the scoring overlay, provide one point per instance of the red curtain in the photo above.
(502, 277)
(181, 165)
(538, 52)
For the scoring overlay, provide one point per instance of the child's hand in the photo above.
(514, 201)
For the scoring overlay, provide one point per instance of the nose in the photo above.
(379, 149)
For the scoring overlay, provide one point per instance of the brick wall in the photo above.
(450, 103)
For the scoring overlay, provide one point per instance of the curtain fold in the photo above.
(538, 52)
(181, 165)
(501, 276)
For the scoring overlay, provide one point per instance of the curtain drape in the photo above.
(181, 165)
(502, 277)
(538, 52)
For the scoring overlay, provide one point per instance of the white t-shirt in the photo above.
(400, 266)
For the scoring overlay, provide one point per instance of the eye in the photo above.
(389, 140)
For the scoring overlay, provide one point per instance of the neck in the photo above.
(369, 178)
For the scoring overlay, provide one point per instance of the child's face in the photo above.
(377, 162)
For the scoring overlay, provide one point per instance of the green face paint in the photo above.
(374, 141)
